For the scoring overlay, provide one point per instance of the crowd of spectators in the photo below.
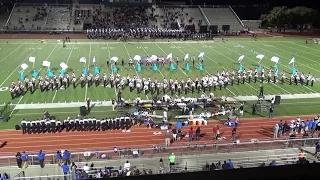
(90, 171)
(120, 17)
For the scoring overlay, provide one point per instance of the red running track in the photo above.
(139, 137)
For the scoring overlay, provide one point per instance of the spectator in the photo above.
(167, 138)
(66, 156)
(174, 134)
(73, 167)
(233, 134)
(172, 160)
(230, 164)
(19, 160)
(86, 168)
(179, 134)
(24, 158)
(275, 131)
(225, 165)
(218, 165)
(59, 158)
(126, 166)
(190, 134)
(41, 156)
(65, 169)
(213, 167)
(273, 163)
(198, 131)
(161, 166)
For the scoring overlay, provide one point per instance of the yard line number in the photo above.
(107, 47)
(205, 46)
(176, 47)
(145, 47)
(34, 48)
(4, 89)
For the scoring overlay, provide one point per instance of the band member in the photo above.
(96, 80)
(283, 77)
(65, 82)
(82, 81)
(302, 78)
(104, 79)
(312, 80)
(250, 76)
(255, 77)
(193, 85)
(68, 80)
(308, 79)
(275, 76)
(239, 77)
(291, 78)
(243, 78)
(262, 77)
(269, 76)
(131, 86)
(74, 79)
(297, 79)
(232, 79)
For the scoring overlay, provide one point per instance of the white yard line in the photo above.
(55, 93)
(85, 95)
(10, 53)
(15, 70)
(252, 61)
(115, 89)
(296, 49)
(125, 47)
(214, 62)
(303, 46)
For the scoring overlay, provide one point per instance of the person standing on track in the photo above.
(167, 138)
(41, 157)
(24, 158)
(19, 160)
(67, 156)
(233, 134)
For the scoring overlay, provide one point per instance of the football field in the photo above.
(218, 56)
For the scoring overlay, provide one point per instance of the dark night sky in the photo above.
(309, 3)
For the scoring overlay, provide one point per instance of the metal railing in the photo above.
(193, 148)
(48, 177)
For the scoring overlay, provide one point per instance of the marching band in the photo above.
(155, 86)
(111, 33)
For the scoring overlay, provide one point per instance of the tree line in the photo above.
(282, 17)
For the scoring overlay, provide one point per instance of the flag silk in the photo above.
(155, 67)
(83, 59)
(62, 72)
(22, 76)
(50, 73)
(292, 60)
(94, 59)
(259, 69)
(169, 56)
(96, 70)
(200, 67)
(240, 58)
(275, 69)
(241, 68)
(186, 57)
(201, 55)
(115, 69)
(187, 67)
(85, 71)
(172, 67)
(139, 67)
(294, 70)
(35, 73)
(275, 59)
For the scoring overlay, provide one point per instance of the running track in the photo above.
(139, 137)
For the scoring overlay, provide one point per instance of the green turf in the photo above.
(218, 56)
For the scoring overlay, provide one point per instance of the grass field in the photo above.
(218, 56)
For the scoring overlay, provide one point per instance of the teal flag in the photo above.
(201, 67)
(241, 68)
(259, 69)
(85, 71)
(115, 69)
(275, 69)
(35, 73)
(62, 72)
(294, 70)
(96, 70)
(187, 67)
(172, 67)
(50, 73)
(155, 67)
(138, 67)
(22, 76)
